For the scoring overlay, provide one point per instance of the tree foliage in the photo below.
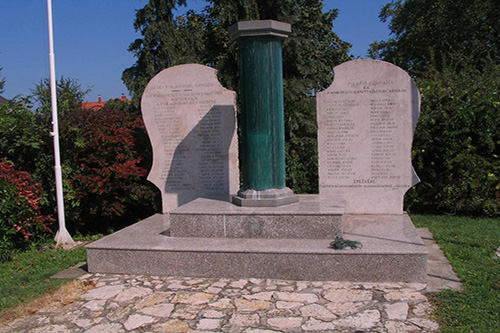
(452, 49)
(457, 142)
(437, 31)
(70, 95)
(166, 41)
(310, 54)
(2, 83)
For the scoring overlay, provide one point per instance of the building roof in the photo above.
(100, 103)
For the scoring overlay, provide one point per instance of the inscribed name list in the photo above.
(366, 122)
(191, 121)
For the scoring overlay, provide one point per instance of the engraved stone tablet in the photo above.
(190, 119)
(366, 121)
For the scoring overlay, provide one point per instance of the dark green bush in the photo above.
(457, 142)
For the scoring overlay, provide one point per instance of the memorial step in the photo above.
(392, 251)
(310, 218)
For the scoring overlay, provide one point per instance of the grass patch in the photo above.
(28, 274)
(469, 244)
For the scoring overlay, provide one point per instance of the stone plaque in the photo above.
(366, 121)
(191, 121)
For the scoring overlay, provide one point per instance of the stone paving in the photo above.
(130, 303)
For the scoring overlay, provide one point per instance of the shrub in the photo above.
(457, 142)
(21, 220)
(105, 182)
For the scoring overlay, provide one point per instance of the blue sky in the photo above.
(91, 38)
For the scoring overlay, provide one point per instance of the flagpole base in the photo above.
(63, 238)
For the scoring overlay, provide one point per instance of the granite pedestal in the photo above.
(311, 218)
(392, 250)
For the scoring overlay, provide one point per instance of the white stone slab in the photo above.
(366, 121)
(191, 121)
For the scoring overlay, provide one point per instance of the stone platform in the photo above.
(310, 218)
(392, 251)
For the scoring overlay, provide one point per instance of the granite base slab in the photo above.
(392, 251)
(309, 218)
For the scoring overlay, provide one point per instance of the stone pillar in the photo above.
(262, 118)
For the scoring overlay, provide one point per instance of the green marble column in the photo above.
(262, 118)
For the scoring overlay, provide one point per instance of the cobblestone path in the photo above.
(130, 303)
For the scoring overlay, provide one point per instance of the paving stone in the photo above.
(347, 295)
(105, 292)
(288, 305)
(279, 313)
(398, 327)
(251, 305)
(118, 314)
(245, 320)
(50, 329)
(64, 317)
(159, 310)
(131, 293)
(365, 319)
(256, 281)
(177, 286)
(84, 323)
(302, 285)
(196, 281)
(194, 299)
(317, 311)
(137, 320)
(347, 308)
(296, 297)
(209, 324)
(155, 298)
(404, 296)
(417, 286)
(317, 325)
(172, 326)
(213, 290)
(286, 288)
(258, 330)
(238, 284)
(219, 284)
(223, 303)
(213, 314)
(107, 328)
(284, 322)
(262, 296)
(397, 311)
(187, 313)
(423, 309)
(425, 323)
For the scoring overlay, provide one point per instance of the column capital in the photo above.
(259, 28)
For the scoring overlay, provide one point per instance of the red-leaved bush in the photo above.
(20, 217)
(105, 181)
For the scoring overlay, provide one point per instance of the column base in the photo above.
(274, 197)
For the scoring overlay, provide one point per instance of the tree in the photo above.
(310, 54)
(165, 42)
(21, 133)
(456, 147)
(452, 49)
(70, 95)
(436, 31)
(2, 83)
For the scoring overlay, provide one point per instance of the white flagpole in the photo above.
(62, 236)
